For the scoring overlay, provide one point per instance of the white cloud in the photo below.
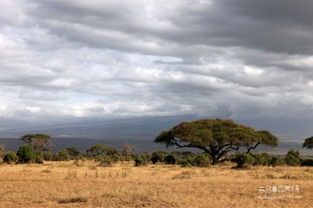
(67, 59)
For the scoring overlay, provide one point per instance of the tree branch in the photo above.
(249, 148)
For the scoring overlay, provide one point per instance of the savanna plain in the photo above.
(85, 184)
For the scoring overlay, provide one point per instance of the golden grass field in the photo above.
(84, 184)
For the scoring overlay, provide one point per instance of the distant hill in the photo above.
(118, 129)
(137, 131)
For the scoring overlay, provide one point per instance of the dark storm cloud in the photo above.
(275, 26)
(243, 59)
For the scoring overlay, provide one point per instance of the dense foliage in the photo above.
(293, 158)
(216, 137)
(308, 143)
(26, 154)
(100, 149)
(10, 158)
(39, 142)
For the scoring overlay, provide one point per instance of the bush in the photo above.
(307, 162)
(26, 154)
(202, 160)
(262, 159)
(184, 162)
(158, 157)
(244, 160)
(126, 157)
(10, 158)
(104, 159)
(73, 152)
(100, 149)
(276, 161)
(39, 159)
(188, 159)
(293, 158)
(116, 157)
(170, 159)
(140, 160)
(62, 155)
(48, 156)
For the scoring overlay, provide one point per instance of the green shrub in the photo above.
(104, 160)
(118, 156)
(276, 161)
(26, 154)
(158, 157)
(184, 162)
(293, 158)
(10, 158)
(100, 158)
(39, 159)
(48, 156)
(100, 149)
(262, 159)
(62, 155)
(73, 152)
(140, 160)
(170, 159)
(202, 160)
(244, 160)
(126, 157)
(307, 162)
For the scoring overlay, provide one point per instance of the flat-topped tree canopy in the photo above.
(40, 142)
(216, 137)
(308, 143)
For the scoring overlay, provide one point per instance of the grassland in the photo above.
(84, 184)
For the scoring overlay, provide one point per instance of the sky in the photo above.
(64, 61)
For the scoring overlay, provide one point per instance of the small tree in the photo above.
(10, 158)
(26, 154)
(39, 142)
(293, 158)
(100, 149)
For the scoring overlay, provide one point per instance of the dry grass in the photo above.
(66, 184)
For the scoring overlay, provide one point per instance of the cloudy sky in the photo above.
(68, 60)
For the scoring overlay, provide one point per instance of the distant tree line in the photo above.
(221, 141)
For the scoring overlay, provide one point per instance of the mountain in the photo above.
(117, 129)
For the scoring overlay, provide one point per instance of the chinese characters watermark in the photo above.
(279, 192)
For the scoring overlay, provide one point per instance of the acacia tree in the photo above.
(100, 149)
(308, 143)
(39, 142)
(265, 138)
(216, 137)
